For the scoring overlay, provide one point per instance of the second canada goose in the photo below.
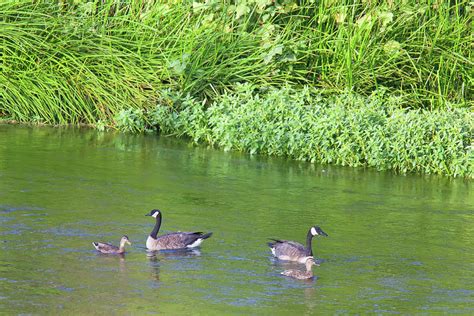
(104, 247)
(178, 240)
(302, 275)
(294, 251)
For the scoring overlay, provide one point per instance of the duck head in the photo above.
(125, 240)
(310, 262)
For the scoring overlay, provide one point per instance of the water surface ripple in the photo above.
(397, 244)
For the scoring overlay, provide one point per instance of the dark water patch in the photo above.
(67, 232)
(417, 263)
(5, 209)
(15, 229)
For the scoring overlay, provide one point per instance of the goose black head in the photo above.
(153, 213)
(317, 231)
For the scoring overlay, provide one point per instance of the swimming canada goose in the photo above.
(294, 251)
(302, 275)
(111, 249)
(177, 240)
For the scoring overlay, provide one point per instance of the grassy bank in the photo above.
(114, 63)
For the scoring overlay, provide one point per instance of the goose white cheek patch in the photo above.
(313, 231)
(156, 214)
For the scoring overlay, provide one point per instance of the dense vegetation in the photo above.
(345, 129)
(136, 65)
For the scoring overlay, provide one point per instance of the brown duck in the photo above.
(302, 275)
(111, 249)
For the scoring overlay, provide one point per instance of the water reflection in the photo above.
(172, 254)
(310, 299)
(154, 266)
(156, 257)
(108, 259)
(402, 242)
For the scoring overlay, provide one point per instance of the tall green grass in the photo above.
(70, 62)
(111, 63)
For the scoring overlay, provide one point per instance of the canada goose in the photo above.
(302, 275)
(177, 240)
(294, 251)
(111, 249)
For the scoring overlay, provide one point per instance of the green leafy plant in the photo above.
(345, 129)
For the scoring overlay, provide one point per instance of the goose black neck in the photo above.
(309, 239)
(155, 230)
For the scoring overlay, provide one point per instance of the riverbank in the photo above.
(138, 67)
(345, 129)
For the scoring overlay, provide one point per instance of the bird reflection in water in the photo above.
(154, 257)
(114, 257)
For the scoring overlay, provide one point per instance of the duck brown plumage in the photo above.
(302, 275)
(107, 248)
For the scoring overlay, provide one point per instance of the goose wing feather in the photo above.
(290, 249)
(179, 240)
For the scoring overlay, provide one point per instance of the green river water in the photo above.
(396, 244)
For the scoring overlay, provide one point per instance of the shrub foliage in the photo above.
(346, 129)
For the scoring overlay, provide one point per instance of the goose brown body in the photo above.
(178, 240)
(172, 241)
(294, 251)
